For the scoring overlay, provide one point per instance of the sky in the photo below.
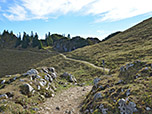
(86, 18)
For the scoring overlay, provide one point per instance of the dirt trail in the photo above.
(65, 102)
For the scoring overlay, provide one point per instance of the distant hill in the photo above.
(57, 41)
(131, 44)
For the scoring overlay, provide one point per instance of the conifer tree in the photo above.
(18, 41)
(40, 45)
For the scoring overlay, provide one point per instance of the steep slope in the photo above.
(134, 43)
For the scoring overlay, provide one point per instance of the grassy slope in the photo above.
(15, 61)
(134, 43)
(19, 61)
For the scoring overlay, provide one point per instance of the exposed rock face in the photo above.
(67, 45)
(26, 89)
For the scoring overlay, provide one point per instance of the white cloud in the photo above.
(43, 8)
(104, 9)
(16, 13)
(119, 9)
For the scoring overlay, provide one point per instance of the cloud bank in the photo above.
(105, 10)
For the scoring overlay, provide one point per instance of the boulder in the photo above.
(45, 70)
(54, 75)
(72, 79)
(26, 89)
(3, 96)
(42, 82)
(31, 72)
(51, 69)
(127, 109)
(69, 77)
(148, 108)
(10, 94)
(3, 81)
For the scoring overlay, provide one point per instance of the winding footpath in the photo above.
(85, 62)
(66, 102)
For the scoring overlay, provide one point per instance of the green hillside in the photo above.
(132, 44)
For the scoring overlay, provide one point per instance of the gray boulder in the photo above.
(3, 96)
(51, 69)
(31, 72)
(54, 75)
(26, 89)
(127, 109)
(44, 70)
(42, 82)
(69, 77)
(3, 81)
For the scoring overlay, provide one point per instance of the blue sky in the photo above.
(86, 18)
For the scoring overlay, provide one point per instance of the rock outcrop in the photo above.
(127, 93)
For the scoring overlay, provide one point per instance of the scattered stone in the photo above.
(51, 69)
(128, 92)
(3, 96)
(86, 111)
(102, 109)
(54, 75)
(8, 76)
(96, 81)
(26, 89)
(45, 70)
(97, 96)
(72, 79)
(42, 82)
(38, 87)
(10, 94)
(50, 78)
(3, 81)
(21, 80)
(148, 108)
(52, 95)
(35, 109)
